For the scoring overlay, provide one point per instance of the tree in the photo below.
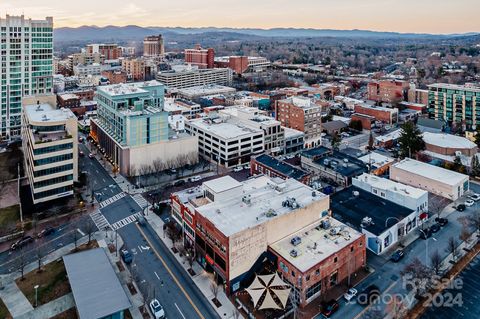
(214, 288)
(370, 141)
(436, 262)
(452, 247)
(90, 229)
(410, 140)
(477, 136)
(396, 308)
(436, 206)
(75, 237)
(336, 140)
(40, 254)
(21, 264)
(475, 164)
(417, 275)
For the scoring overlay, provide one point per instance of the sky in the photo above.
(418, 16)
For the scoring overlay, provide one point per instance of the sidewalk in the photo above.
(202, 279)
(19, 306)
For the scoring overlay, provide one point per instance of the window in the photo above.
(307, 278)
(334, 278)
(313, 290)
(317, 272)
(293, 273)
(335, 259)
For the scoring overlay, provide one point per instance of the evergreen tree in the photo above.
(477, 136)
(336, 140)
(475, 166)
(370, 141)
(411, 140)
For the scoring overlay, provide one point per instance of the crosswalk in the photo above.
(111, 200)
(124, 222)
(142, 202)
(100, 220)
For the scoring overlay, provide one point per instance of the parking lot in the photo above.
(459, 303)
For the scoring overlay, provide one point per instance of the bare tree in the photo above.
(21, 264)
(452, 247)
(75, 238)
(40, 254)
(436, 262)
(436, 206)
(417, 275)
(396, 308)
(214, 288)
(89, 229)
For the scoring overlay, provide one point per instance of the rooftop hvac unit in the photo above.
(325, 224)
(295, 241)
(345, 160)
(293, 253)
(356, 193)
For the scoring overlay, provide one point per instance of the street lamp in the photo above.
(36, 294)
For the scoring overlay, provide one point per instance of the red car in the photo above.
(330, 308)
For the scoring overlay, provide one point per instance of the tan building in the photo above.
(134, 68)
(51, 152)
(388, 91)
(153, 46)
(434, 179)
(84, 58)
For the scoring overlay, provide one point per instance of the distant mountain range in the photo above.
(133, 32)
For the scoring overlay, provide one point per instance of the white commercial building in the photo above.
(51, 153)
(401, 194)
(194, 77)
(226, 141)
(434, 179)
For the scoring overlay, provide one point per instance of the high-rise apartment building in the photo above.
(454, 104)
(134, 68)
(153, 46)
(50, 146)
(26, 57)
(203, 58)
(190, 77)
(109, 51)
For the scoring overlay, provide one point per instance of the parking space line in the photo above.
(179, 311)
(156, 275)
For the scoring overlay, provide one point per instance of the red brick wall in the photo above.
(387, 91)
(378, 114)
(366, 122)
(290, 115)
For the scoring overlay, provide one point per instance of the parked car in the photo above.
(460, 207)
(157, 309)
(246, 166)
(91, 156)
(330, 308)
(180, 182)
(435, 228)
(475, 197)
(350, 294)
(469, 203)
(46, 232)
(81, 154)
(238, 169)
(441, 221)
(289, 156)
(425, 233)
(195, 178)
(21, 242)
(126, 256)
(397, 256)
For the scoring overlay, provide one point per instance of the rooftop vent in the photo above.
(367, 221)
(293, 253)
(356, 193)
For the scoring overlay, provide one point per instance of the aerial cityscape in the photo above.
(270, 160)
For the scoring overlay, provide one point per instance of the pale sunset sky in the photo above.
(419, 16)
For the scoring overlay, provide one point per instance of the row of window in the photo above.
(52, 192)
(53, 170)
(51, 149)
(53, 181)
(53, 159)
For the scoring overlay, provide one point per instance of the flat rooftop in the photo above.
(291, 133)
(448, 140)
(432, 172)
(128, 88)
(317, 243)
(392, 186)
(455, 87)
(224, 129)
(343, 164)
(318, 151)
(353, 204)
(264, 198)
(46, 113)
(394, 135)
(376, 160)
(96, 288)
(222, 184)
(204, 90)
(378, 108)
(281, 167)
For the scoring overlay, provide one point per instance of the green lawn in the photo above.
(4, 311)
(52, 280)
(9, 216)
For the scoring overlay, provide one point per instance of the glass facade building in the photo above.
(458, 104)
(26, 57)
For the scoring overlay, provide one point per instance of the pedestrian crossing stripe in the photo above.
(126, 221)
(111, 200)
(99, 220)
(142, 202)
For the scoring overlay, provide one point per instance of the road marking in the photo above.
(126, 221)
(81, 232)
(179, 310)
(368, 307)
(139, 248)
(156, 275)
(171, 274)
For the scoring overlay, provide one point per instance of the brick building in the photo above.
(109, 51)
(115, 77)
(367, 121)
(72, 102)
(382, 114)
(242, 64)
(134, 68)
(270, 166)
(235, 235)
(153, 46)
(301, 114)
(203, 58)
(388, 91)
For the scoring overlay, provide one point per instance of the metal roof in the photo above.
(96, 288)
